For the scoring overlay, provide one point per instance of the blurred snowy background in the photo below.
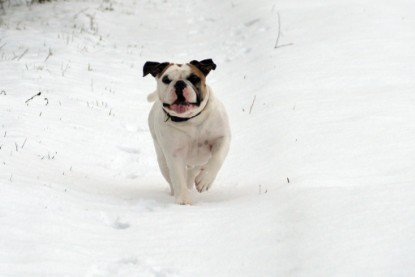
(320, 179)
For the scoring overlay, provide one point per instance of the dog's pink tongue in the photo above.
(180, 108)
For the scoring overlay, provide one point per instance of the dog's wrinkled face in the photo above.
(181, 88)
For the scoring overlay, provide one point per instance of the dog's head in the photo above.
(181, 87)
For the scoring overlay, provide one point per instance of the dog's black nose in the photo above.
(179, 86)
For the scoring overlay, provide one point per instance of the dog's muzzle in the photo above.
(181, 105)
(186, 97)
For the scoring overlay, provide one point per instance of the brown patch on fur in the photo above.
(202, 77)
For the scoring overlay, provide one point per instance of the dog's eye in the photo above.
(193, 79)
(166, 80)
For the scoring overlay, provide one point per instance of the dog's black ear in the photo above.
(154, 68)
(205, 66)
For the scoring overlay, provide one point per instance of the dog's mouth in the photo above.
(180, 107)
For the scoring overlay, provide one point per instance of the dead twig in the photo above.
(23, 144)
(284, 45)
(64, 69)
(279, 31)
(279, 35)
(91, 21)
(252, 105)
(31, 98)
(24, 53)
(50, 54)
(78, 13)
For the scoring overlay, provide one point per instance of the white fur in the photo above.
(190, 153)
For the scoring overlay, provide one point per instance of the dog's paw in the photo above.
(183, 200)
(204, 180)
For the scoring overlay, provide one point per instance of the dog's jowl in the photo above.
(189, 126)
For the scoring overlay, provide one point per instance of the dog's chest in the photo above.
(200, 147)
(199, 152)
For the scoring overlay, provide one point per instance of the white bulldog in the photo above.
(189, 126)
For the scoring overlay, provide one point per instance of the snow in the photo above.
(320, 177)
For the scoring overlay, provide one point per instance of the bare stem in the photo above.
(279, 31)
(50, 54)
(24, 53)
(31, 98)
(252, 105)
(279, 35)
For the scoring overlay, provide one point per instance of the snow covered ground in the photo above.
(320, 179)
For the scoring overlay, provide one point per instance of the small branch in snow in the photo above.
(3, 92)
(31, 98)
(260, 190)
(21, 147)
(285, 45)
(279, 34)
(49, 156)
(50, 54)
(21, 56)
(279, 31)
(77, 14)
(252, 105)
(64, 69)
(92, 25)
(288, 180)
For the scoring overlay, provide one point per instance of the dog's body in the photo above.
(189, 126)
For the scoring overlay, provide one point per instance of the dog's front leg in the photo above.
(219, 150)
(178, 177)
